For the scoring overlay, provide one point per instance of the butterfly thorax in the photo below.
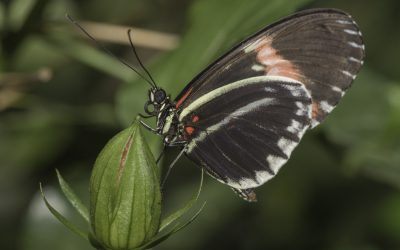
(168, 125)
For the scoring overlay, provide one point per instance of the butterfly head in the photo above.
(158, 99)
(157, 95)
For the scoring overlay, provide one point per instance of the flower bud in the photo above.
(125, 197)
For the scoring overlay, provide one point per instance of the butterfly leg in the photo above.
(148, 127)
(177, 143)
(145, 116)
(171, 166)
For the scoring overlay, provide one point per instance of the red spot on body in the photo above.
(195, 118)
(189, 130)
(183, 98)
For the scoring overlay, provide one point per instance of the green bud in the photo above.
(125, 196)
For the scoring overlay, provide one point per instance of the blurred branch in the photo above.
(141, 37)
(8, 97)
(13, 80)
(12, 85)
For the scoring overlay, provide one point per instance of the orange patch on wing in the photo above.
(189, 130)
(183, 98)
(275, 64)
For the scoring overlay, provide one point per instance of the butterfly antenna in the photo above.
(138, 58)
(100, 45)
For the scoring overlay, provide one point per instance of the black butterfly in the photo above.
(242, 116)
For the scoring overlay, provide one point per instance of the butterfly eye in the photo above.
(149, 108)
(159, 96)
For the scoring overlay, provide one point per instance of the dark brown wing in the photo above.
(243, 132)
(322, 48)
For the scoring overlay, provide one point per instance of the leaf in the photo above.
(61, 218)
(19, 12)
(92, 56)
(175, 229)
(357, 119)
(72, 197)
(179, 213)
(39, 139)
(369, 129)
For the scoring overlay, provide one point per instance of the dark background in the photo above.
(61, 99)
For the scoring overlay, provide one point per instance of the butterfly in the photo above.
(241, 117)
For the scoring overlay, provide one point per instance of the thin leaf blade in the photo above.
(61, 218)
(73, 198)
(179, 213)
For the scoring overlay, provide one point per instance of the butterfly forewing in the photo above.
(322, 48)
(326, 51)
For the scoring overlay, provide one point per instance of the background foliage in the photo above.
(61, 99)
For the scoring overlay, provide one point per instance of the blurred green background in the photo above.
(61, 99)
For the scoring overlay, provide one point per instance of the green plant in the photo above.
(125, 197)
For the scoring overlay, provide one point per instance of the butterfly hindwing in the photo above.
(243, 132)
